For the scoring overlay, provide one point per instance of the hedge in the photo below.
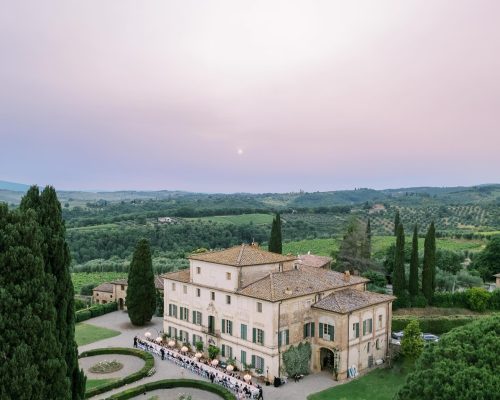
(467, 299)
(436, 325)
(95, 311)
(174, 383)
(147, 357)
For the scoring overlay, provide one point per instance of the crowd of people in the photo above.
(230, 380)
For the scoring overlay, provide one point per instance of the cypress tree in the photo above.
(396, 223)
(31, 363)
(367, 245)
(429, 264)
(141, 291)
(275, 240)
(413, 284)
(57, 259)
(398, 275)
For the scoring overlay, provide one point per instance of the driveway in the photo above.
(119, 321)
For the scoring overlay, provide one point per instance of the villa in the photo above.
(254, 304)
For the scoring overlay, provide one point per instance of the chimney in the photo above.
(347, 276)
(254, 244)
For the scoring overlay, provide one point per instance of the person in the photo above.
(135, 341)
(162, 352)
(261, 393)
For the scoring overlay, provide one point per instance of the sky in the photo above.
(249, 96)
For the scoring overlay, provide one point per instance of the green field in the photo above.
(93, 383)
(85, 278)
(381, 384)
(242, 219)
(324, 247)
(86, 333)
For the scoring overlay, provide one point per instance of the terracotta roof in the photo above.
(104, 287)
(180, 276)
(312, 260)
(240, 256)
(158, 282)
(347, 300)
(298, 282)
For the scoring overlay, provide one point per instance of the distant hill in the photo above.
(14, 187)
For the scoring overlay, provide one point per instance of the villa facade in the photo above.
(253, 305)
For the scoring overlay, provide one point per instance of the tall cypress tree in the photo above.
(141, 291)
(275, 240)
(398, 275)
(57, 259)
(413, 284)
(429, 264)
(397, 221)
(31, 363)
(366, 252)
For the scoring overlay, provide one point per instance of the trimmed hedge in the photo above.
(147, 357)
(437, 325)
(467, 299)
(174, 383)
(95, 311)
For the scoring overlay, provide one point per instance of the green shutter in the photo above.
(331, 332)
(194, 317)
(254, 336)
(223, 326)
(263, 340)
(305, 331)
(287, 337)
(253, 360)
(321, 330)
(243, 357)
(243, 331)
(279, 338)
(364, 328)
(223, 350)
(312, 329)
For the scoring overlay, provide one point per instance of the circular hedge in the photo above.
(106, 367)
(174, 383)
(146, 370)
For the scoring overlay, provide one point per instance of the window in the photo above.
(227, 326)
(280, 268)
(226, 351)
(97, 294)
(198, 292)
(283, 337)
(197, 319)
(258, 363)
(309, 330)
(377, 344)
(110, 296)
(173, 287)
(355, 330)
(327, 332)
(228, 299)
(172, 332)
(172, 310)
(367, 326)
(243, 358)
(228, 276)
(211, 324)
(258, 336)
(185, 289)
(184, 314)
(122, 287)
(318, 297)
(243, 331)
(368, 347)
(184, 336)
(259, 307)
(198, 270)
(380, 321)
(212, 295)
(197, 339)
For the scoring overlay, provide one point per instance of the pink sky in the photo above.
(249, 95)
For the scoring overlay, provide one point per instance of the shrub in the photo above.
(403, 301)
(448, 299)
(213, 352)
(82, 315)
(477, 299)
(148, 365)
(437, 325)
(174, 383)
(296, 359)
(86, 290)
(95, 311)
(80, 304)
(494, 300)
(418, 301)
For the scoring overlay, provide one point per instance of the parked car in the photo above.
(429, 337)
(396, 337)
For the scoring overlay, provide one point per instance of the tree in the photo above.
(464, 364)
(487, 262)
(275, 241)
(32, 365)
(412, 343)
(398, 275)
(397, 221)
(141, 291)
(429, 264)
(413, 280)
(355, 248)
(366, 249)
(57, 260)
(159, 303)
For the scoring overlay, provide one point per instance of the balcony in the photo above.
(211, 332)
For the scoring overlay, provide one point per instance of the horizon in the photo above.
(261, 97)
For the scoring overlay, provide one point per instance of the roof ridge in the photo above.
(272, 286)
(238, 260)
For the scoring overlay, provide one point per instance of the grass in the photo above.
(93, 383)
(85, 278)
(242, 219)
(320, 247)
(380, 384)
(86, 333)
(434, 312)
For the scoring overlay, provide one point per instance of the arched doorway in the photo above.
(329, 360)
(120, 304)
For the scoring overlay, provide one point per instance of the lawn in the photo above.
(93, 383)
(320, 247)
(381, 384)
(86, 333)
(85, 278)
(242, 219)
